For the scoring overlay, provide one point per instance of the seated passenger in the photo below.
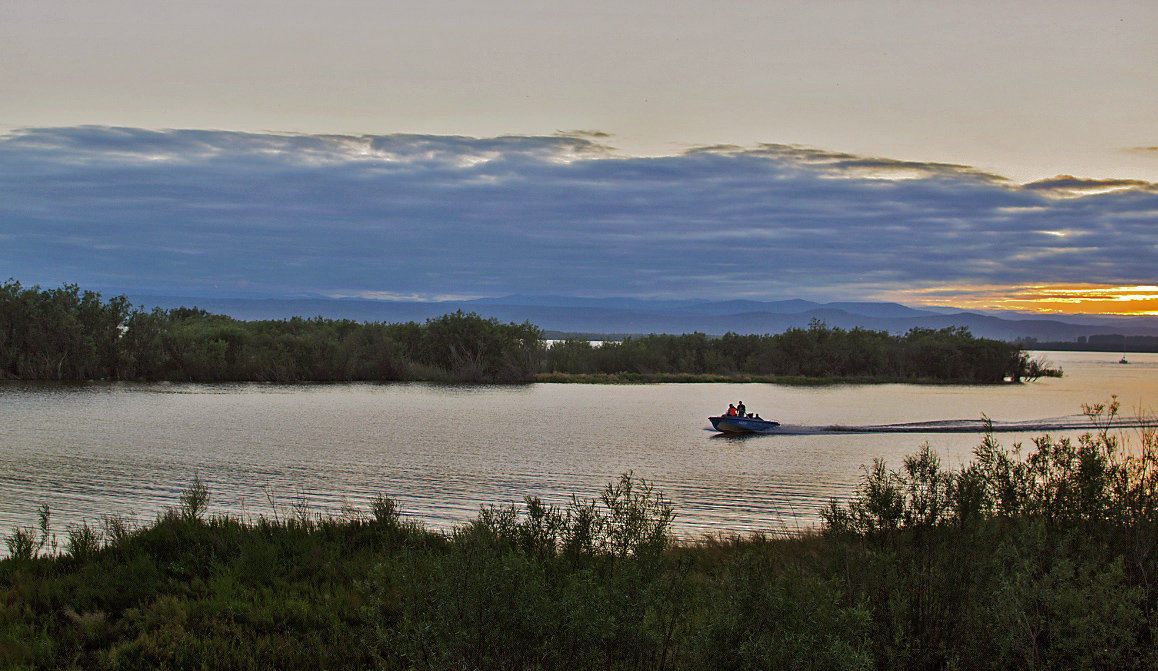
(731, 410)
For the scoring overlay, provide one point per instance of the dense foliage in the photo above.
(59, 334)
(67, 334)
(1042, 560)
(949, 354)
(1037, 561)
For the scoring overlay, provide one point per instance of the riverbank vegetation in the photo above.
(817, 352)
(69, 334)
(1041, 559)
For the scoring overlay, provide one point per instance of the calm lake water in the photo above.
(129, 449)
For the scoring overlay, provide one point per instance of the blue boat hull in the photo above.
(734, 424)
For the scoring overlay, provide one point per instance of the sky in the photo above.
(970, 154)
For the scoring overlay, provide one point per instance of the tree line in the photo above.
(69, 334)
(949, 354)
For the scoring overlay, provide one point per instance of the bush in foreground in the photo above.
(1041, 561)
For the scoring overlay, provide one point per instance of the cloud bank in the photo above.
(219, 213)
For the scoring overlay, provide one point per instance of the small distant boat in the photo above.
(737, 424)
(1123, 360)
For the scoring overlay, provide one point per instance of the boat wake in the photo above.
(1067, 423)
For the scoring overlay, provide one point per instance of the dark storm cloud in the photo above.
(266, 214)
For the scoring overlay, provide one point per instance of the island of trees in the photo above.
(69, 334)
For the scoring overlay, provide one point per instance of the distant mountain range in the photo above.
(620, 316)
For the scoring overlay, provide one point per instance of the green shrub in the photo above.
(1043, 560)
(536, 586)
(194, 500)
(83, 542)
(22, 543)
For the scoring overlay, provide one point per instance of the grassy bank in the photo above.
(1041, 559)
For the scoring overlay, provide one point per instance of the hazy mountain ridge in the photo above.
(631, 315)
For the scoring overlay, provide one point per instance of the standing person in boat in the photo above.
(740, 409)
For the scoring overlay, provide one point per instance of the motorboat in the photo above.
(738, 424)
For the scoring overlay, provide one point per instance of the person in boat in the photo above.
(758, 417)
(731, 410)
(740, 409)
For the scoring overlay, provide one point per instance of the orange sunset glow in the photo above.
(1059, 299)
